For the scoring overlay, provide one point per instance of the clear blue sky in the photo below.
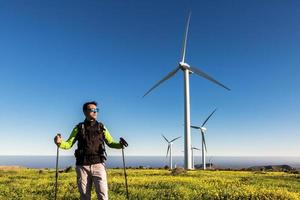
(55, 55)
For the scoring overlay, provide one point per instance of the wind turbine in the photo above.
(209, 162)
(193, 159)
(187, 70)
(170, 144)
(202, 131)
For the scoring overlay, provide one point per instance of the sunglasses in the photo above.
(94, 110)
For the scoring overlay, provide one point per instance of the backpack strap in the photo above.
(81, 129)
(101, 129)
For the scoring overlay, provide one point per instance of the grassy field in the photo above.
(155, 184)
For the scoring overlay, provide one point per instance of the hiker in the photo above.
(91, 137)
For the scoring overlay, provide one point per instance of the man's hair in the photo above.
(85, 105)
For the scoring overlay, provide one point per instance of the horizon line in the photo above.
(165, 155)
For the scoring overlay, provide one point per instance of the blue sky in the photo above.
(56, 55)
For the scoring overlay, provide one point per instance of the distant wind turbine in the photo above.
(202, 131)
(193, 158)
(209, 162)
(187, 70)
(170, 145)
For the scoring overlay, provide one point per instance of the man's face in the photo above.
(91, 113)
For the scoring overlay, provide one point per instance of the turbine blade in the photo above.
(204, 75)
(208, 118)
(175, 139)
(172, 73)
(165, 138)
(197, 149)
(168, 150)
(203, 138)
(195, 127)
(185, 38)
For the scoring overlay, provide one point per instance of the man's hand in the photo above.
(57, 139)
(123, 142)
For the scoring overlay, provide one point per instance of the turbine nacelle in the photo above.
(203, 129)
(184, 66)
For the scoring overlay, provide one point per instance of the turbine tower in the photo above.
(170, 145)
(202, 131)
(187, 70)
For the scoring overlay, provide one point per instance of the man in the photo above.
(91, 137)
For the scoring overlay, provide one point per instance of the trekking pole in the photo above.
(124, 167)
(56, 173)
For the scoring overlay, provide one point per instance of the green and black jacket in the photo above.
(91, 143)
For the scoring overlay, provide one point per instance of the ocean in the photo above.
(234, 162)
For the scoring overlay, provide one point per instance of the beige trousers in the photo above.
(89, 174)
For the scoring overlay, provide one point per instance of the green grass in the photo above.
(155, 184)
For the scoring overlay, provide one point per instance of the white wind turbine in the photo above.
(202, 131)
(193, 158)
(209, 162)
(187, 70)
(170, 145)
